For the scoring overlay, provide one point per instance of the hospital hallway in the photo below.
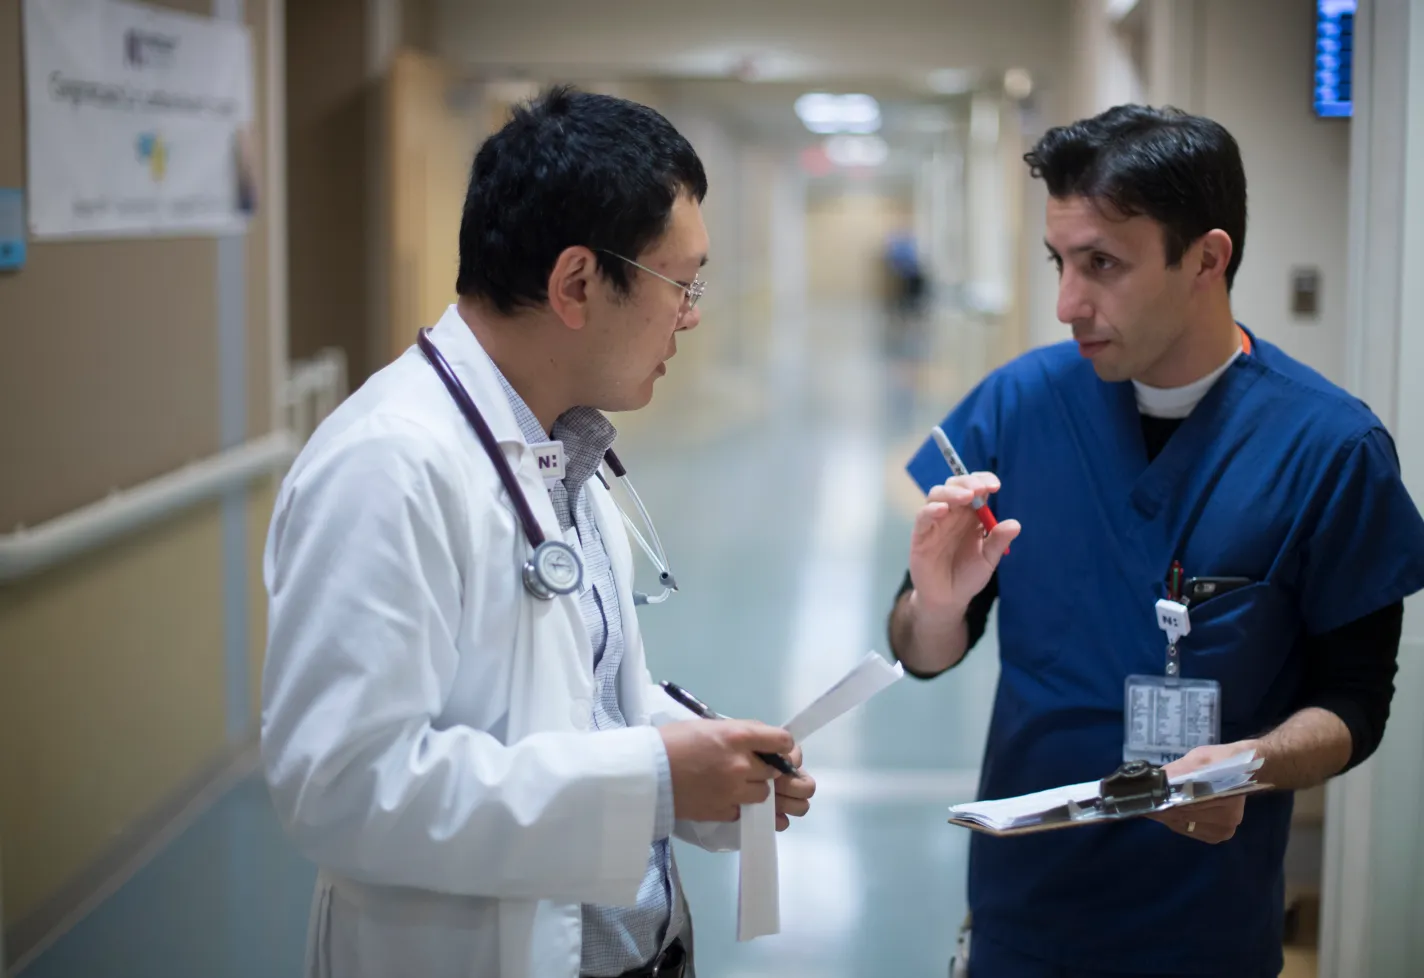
(780, 498)
(877, 214)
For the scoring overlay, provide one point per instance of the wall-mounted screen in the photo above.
(1334, 57)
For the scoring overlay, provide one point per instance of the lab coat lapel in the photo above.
(477, 372)
(457, 342)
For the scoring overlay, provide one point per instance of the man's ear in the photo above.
(1216, 251)
(570, 284)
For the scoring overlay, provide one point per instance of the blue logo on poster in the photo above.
(153, 150)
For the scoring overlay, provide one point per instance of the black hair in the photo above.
(1181, 170)
(569, 168)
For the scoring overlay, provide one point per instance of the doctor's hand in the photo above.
(1210, 821)
(793, 794)
(714, 769)
(951, 560)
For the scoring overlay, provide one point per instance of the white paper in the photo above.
(1003, 813)
(1230, 772)
(758, 897)
(870, 676)
(758, 881)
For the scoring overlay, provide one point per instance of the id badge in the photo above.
(1166, 718)
(549, 459)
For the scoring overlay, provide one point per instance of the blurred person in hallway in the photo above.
(1165, 452)
(459, 727)
(908, 290)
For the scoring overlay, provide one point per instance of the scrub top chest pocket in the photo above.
(1223, 669)
(1244, 639)
(1235, 673)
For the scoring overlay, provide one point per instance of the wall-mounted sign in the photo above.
(138, 120)
(1334, 57)
(12, 229)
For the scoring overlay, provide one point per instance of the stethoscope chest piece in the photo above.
(552, 570)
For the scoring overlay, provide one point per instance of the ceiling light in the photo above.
(951, 81)
(1118, 9)
(824, 113)
(1018, 84)
(857, 151)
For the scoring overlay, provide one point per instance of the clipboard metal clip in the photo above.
(1135, 787)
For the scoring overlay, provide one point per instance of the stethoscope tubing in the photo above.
(472, 414)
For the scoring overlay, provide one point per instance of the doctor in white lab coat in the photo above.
(426, 726)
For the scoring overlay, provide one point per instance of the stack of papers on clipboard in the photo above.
(1080, 804)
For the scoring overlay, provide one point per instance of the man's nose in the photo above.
(1073, 304)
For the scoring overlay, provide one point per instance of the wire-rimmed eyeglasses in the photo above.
(691, 291)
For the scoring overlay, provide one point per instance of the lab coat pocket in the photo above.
(1243, 640)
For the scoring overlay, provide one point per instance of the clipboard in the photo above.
(1134, 790)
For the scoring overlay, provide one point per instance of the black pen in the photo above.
(707, 713)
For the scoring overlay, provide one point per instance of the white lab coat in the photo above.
(425, 722)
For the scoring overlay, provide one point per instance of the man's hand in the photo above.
(951, 559)
(714, 770)
(793, 794)
(1209, 821)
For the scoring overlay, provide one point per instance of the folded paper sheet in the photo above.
(758, 882)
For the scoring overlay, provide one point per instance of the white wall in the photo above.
(1373, 915)
(1104, 72)
(1039, 274)
(1255, 79)
(990, 256)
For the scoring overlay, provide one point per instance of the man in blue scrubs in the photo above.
(1164, 443)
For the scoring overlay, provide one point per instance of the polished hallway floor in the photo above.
(779, 494)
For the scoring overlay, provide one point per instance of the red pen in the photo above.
(956, 466)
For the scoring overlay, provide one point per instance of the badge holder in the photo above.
(1166, 716)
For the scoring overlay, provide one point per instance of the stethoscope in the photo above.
(554, 568)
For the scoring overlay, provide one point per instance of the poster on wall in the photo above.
(139, 121)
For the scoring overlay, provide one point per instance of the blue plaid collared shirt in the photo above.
(615, 939)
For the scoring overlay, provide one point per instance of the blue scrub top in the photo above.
(1277, 475)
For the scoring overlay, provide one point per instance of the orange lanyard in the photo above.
(1245, 341)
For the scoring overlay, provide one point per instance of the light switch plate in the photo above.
(1305, 292)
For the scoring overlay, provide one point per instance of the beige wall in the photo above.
(111, 696)
(845, 239)
(330, 114)
(112, 666)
